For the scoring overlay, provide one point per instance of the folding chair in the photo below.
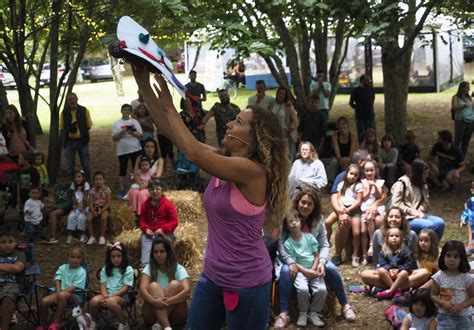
(186, 174)
(84, 294)
(130, 306)
(28, 295)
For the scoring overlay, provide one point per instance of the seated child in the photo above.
(62, 203)
(142, 176)
(12, 265)
(28, 176)
(311, 289)
(467, 218)
(33, 215)
(43, 172)
(99, 207)
(116, 279)
(408, 152)
(68, 278)
(76, 220)
(422, 312)
(158, 216)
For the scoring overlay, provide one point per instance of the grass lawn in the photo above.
(100, 98)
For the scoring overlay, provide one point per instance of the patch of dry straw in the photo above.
(188, 204)
(122, 217)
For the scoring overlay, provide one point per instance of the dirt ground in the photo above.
(425, 118)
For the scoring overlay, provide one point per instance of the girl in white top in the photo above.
(307, 169)
(372, 207)
(349, 198)
(422, 312)
(126, 132)
(76, 220)
(116, 279)
(453, 288)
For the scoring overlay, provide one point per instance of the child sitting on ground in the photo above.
(422, 312)
(310, 287)
(99, 199)
(62, 203)
(388, 157)
(427, 250)
(33, 215)
(370, 143)
(12, 264)
(68, 278)
(408, 152)
(76, 220)
(467, 220)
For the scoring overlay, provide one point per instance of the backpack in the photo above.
(395, 316)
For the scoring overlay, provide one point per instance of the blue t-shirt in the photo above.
(302, 251)
(118, 280)
(338, 179)
(470, 203)
(162, 278)
(71, 277)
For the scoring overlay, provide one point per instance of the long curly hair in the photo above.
(269, 148)
(313, 194)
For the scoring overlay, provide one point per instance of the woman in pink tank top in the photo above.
(247, 194)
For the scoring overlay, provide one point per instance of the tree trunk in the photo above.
(3, 101)
(118, 79)
(396, 72)
(54, 145)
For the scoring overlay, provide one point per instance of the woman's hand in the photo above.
(321, 270)
(310, 273)
(160, 303)
(293, 270)
(163, 92)
(142, 76)
(456, 309)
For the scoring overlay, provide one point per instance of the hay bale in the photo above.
(122, 217)
(187, 247)
(132, 239)
(188, 204)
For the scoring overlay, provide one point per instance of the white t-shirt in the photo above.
(453, 289)
(79, 193)
(127, 144)
(371, 198)
(35, 211)
(350, 195)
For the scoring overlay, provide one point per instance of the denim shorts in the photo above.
(454, 322)
(208, 312)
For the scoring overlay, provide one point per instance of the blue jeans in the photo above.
(70, 150)
(33, 231)
(429, 221)
(454, 322)
(333, 279)
(208, 312)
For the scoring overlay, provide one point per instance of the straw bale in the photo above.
(186, 245)
(188, 204)
(132, 239)
(122, 217)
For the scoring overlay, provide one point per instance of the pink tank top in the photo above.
(236, 256)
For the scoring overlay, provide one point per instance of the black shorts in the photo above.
(123, 161)
(166, 146)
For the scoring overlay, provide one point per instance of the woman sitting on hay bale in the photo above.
(248, 191)
(164, 287)
(158, 216)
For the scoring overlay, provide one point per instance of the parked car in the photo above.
(100, 69)
(6, 77)
(46, 74)
(468, 47)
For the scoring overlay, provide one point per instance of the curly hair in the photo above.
(269, 148)
(313, 155)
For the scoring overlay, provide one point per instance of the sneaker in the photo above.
(123, 326)
(375, 290)
(168, 328)
(51, 240)
(336, 260)
(355, 261)
(364, 261)
(402, 300)
(302, 320)
(122, 193)
(370, 251)
(92, 240)
(102, 240)
(384, 295)
(125, 198)
(156, 326)
(83, 238)
(348, 313)
(69, 239)
(282, 321)
(14, 319)
(315, 319)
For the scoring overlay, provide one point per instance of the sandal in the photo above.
(282, 321)
(349, 314)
